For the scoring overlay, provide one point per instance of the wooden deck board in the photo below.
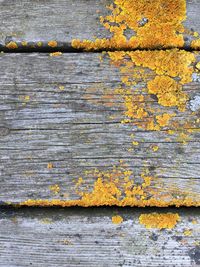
(79, 129)
(87, 237)
(65, 20)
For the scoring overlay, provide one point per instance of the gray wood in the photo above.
(77, 129)
(64, 20)
(87, 237)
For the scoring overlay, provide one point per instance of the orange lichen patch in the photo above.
(159, 220)
(54, 188)
(49, 166)
(187, 202)
(52, 44)
(134, 110)
(195, 44)
(12, 45)
(117, 187)
(153, 24)
(55, 54)
(158, 73)
(168, 91)
(117, 219)
(163, 120)
(173, 63)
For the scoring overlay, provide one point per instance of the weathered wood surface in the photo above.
(78, 129)
(87, 237)
(64, 20)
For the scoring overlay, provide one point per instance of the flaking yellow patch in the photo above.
(135, 143)
(55, 54)
(117, 219)
(187, 232)
(195, 44)
(159, 220)
(155, 148)
(12, 45)
(52, 43)
(49, 165)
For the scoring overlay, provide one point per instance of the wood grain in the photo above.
(87, 237)
(79, 129)
(64, 20)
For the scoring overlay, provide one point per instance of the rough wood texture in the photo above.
(64, 20)
(87, 237)
(78, 129)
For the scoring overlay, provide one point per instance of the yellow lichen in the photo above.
(155, 148)
(135, 143)
(163, 119)
(55, 54)
(195, 44)
(79, 182)
(159, 220)
(46, 221)
(61, 87)
(24, 43)
(168, 91)
(194, 221)
(117, 187)
(187, 232)
(12, 45)
(198, 65)
(170, 132)
(55, 188)
(117, 219)
(152, 24)
(186, 202)
(39, 44)
(27, 98)
(169, 70)
(52, 44)
(49, 165)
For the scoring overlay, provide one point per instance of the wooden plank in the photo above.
(65, 20)
(79, 129)
(87, 237)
